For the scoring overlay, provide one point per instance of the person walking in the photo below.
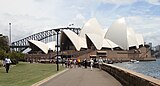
(7, 61)
(79, 62)
(74, 63)
(85, 63)
(66, 63)
(100, 62)
(69, 63)
(91, 63)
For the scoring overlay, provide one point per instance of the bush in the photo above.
(15, 56)
(14, 61)
(1, 63)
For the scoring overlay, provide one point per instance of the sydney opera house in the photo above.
(118, 42)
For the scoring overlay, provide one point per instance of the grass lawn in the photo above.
(26, 74)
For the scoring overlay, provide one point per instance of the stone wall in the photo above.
(87, 55)
(142, 53)
(130, 78)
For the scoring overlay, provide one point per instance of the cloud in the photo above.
(155, 2)
(79, 20)
(23, 24)
(148, 26)
(33, 16)
(122, 2)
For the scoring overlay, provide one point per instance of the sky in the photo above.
(32, 16)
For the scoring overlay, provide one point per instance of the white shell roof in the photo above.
(96, 39)
(27, 50)
(106, 44)
(109, 44)
(117, 33)
(51, 45)
(122, 35)
(75, 39)
(83, 43)
(40, 45)
(140, 39)
(132, 39)
(91, 27)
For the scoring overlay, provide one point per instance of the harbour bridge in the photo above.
(44, 36)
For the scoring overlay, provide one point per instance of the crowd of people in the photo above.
(69, 63)
(78, 63)
(72, 63)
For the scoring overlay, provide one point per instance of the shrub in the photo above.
(16, 56)
(1, 63)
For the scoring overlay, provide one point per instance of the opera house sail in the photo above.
(119, 41)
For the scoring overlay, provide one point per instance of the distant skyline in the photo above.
(33, 16)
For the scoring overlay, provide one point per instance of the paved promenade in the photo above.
(83, 77)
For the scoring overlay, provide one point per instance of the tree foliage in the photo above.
(4, 45)
(16, 55)
(3, 54)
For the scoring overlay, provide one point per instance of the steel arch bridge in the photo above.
(22, 44)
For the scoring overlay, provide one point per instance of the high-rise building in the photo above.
(157, 48)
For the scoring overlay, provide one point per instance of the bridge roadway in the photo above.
(83, 77)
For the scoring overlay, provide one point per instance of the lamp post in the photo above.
(10, 39)
(10, 34)
(50, 60)
(57, 30)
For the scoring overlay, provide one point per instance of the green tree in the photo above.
(4, 43)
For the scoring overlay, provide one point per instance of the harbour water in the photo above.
(149, 68)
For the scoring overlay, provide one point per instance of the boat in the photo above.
(134, 61)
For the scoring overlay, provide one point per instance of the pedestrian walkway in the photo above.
(83, 77)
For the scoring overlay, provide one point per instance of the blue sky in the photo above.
(32, 16)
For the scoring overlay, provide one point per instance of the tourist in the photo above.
(85, 63)
(100, 62)
(69, 63)
(91, 63)
(74, 63)
(79, 62)
(66, 63)
(7, 62)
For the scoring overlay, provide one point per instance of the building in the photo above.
(93, 36)
(120, 42)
